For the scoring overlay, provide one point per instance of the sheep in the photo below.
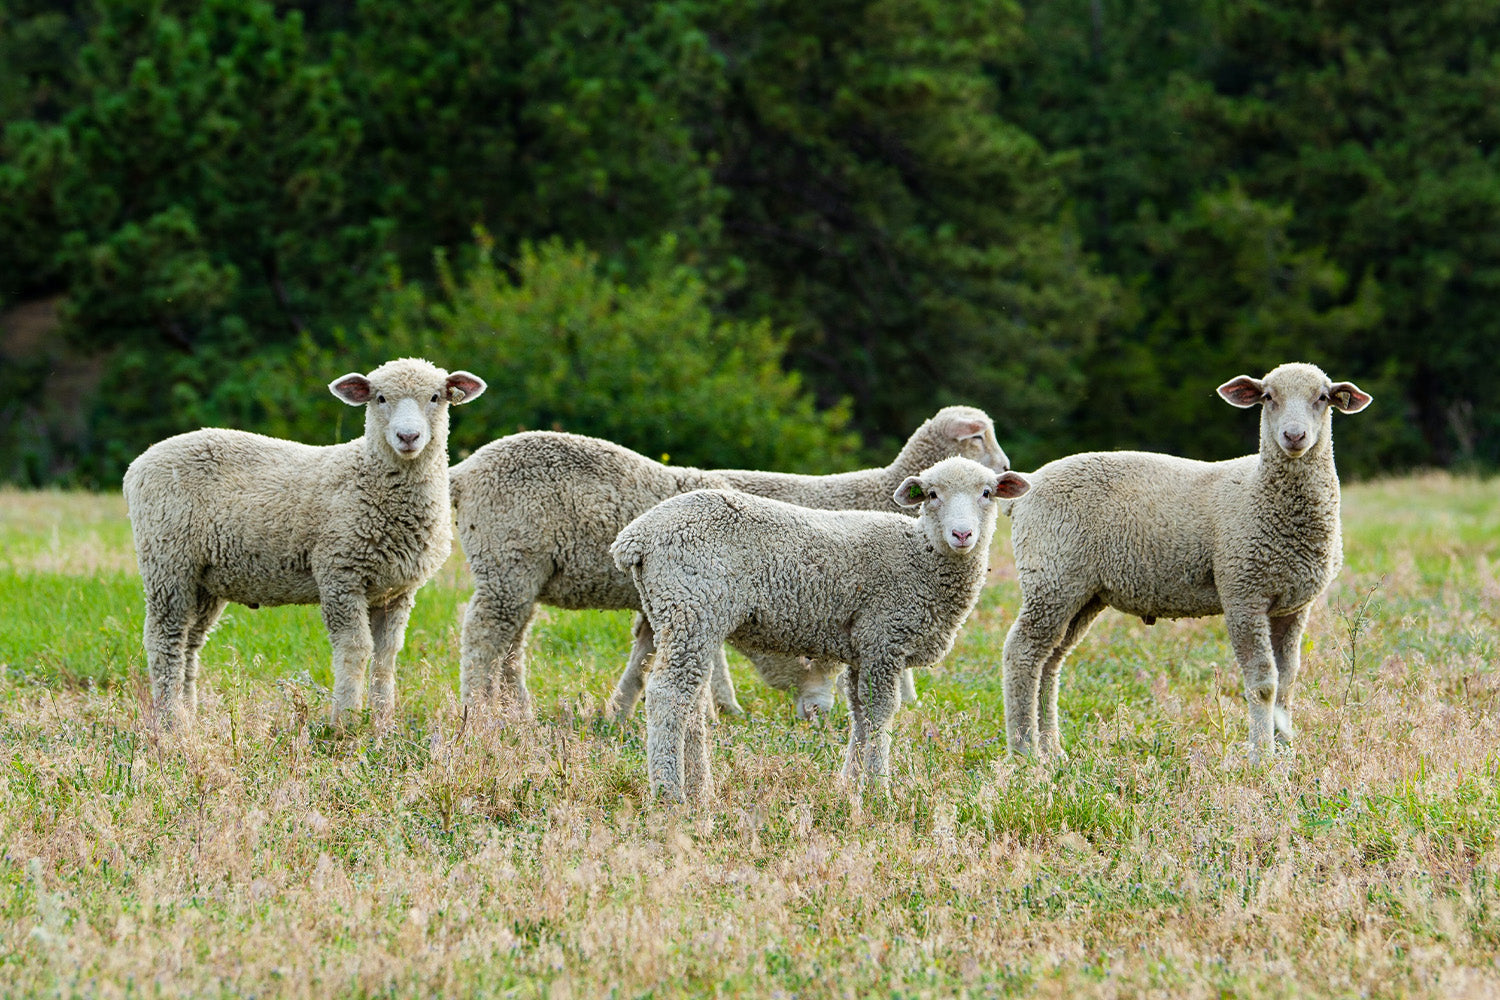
(537, 512)
(225, 515)
(1256, 539)
(878, 591)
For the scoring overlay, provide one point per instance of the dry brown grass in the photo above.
(449, 855)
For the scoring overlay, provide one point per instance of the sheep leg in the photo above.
(723, 686)
(1250, 636)
(859, 729)
(628, 688)
(673, 693)
(492, 645)
(909, 688)
(698, 779)
(1049, 732)
(1032, 642)
(388, 629)
(346, 616)
(879, 688)
(169, 621)
(1286, 646)
(205, 616)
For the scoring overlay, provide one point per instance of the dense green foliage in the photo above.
(1081, 215)
(564, 342)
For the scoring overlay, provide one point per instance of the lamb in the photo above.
(881, 592)
(537, 512)
(224, 515)
(1256, 539)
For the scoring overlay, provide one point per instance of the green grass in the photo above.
(452, 854)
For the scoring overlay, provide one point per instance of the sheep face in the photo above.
(958, 499)
(971, 435)
(1299, 401)
(406, 402)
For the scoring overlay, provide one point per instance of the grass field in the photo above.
(260, 856)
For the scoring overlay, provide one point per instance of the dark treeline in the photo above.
(753, 231)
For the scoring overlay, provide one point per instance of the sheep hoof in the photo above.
(731, 709)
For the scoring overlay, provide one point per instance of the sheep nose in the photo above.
(962, 537)
(1294, 438)
(408, 437)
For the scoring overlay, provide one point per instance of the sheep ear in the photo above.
(1243, 391)
(1348, 397)
(910, 493)
(353, 388)
(464, 387)
(960, 429)
(1011, 485)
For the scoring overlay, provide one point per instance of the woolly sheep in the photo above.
(537, 512)
(880, 592)
(1256, 539)
(224, 515)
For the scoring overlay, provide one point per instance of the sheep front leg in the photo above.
(879, 694)
(1250, 636)
(346, 616)
(1286, 646)
(388, 629)
(859, 727)
(723, 686)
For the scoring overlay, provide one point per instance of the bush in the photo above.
(565, 346)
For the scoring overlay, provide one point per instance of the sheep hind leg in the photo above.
(492, 647)
(1049, 732)
(388, 629)
(674, 693)
(1250, 636)
(169, 622)
(206, 612)
(1286, 647)
(698, 779)
(1034, 639)
(628, 688)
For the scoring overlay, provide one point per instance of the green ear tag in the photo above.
(915, 492)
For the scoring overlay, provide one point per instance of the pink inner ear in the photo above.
(1011, 485)
(465, 384)
(354, 388)
(965, 428)
(1242, 391)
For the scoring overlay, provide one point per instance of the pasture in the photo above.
(261, 854)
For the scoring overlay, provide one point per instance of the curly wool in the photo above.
(224, 515)
(537, 512)
(1256, 539)
(880, 592)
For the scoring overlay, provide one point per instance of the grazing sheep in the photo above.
(881, 592)
(537, 512)
(224, 515)
(1256, 539)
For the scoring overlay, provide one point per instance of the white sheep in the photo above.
(1256, 539)
(224, 515)
(537, 512)
(880, 592)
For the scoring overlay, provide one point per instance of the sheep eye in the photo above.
(1323, 398)
(986, 494)
(379, 399)
(434, 397)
